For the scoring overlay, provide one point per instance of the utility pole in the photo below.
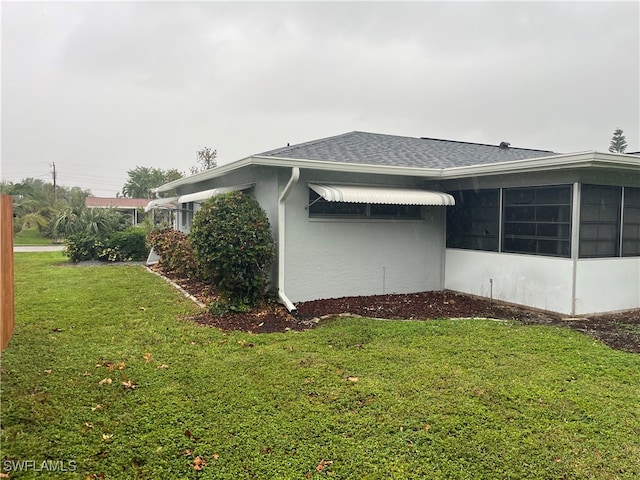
(55, 197)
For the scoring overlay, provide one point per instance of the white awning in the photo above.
(381, 195)
(200, 197)
(169, 203)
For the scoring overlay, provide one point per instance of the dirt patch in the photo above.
(618, 330)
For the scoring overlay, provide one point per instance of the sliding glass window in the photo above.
(473, 222)
(600, 221)
(631, 222)
(537, 220)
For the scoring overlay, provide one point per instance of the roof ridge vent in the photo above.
(504, 144)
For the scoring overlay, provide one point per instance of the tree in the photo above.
(142, 180)
(618, 142)
(205, 160)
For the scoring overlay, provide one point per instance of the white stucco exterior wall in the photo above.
(541, 282)
(607, 284)
(329, 258)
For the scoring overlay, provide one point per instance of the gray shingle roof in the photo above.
(391, 150)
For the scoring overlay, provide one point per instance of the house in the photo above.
(364, 214)
(131, 207)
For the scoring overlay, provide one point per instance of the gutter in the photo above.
(295, 176)
(590, 159)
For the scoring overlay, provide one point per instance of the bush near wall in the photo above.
(123, 246)
(177, 256)
(231, 236)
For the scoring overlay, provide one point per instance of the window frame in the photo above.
(363, 211)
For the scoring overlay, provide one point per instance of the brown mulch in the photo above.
(618, 330)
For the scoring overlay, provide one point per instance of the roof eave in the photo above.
(590, 159)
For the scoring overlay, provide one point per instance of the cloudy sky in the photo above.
(100, 88)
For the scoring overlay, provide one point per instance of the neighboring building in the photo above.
(131, 207)
(365, 214)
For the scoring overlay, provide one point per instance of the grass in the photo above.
(354, 398)
(30, 236)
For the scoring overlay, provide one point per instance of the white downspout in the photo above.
(295, 176)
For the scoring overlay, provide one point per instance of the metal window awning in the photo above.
(168, 203)
(203, 195)
(381, 195)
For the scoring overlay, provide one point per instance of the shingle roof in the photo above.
(391, 150)
(94, 202)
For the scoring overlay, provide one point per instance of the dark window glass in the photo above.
(537, 220)
(473, 222)
(394, 211)
(319, 207)
(631, 225)
(599, 221)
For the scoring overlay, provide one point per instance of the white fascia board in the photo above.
(591, 159)
(300, 163)
(347, 167)
(554, 162)
(204, 176)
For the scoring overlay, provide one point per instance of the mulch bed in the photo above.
(618, 330)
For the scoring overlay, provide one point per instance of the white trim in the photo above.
(381, 195)
(199, 197)
(168, 203)
(590, 159)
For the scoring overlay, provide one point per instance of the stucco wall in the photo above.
(541, 282)
(328, 258)
(607, 284)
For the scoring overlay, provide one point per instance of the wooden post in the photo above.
(6, 270)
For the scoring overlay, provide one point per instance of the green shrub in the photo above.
(177, 256)
(232, 239)
(80, 247)
(128, 245)
(125, 246)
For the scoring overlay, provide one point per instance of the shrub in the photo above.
(125, 246)
(81, 247)
(176, 253)
(128, 245)
(232, 239)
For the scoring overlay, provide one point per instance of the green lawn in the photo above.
(354, 398)
(31, 236)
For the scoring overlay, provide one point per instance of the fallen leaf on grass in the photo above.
(129, 385)
(216, 456)
(48, 371)
(107, 436)
(188, 434)
(163, 366)
(323, 464)
(97, 407)
(353, 379)
(86, 374)
(199, 463)
(88, 424)
(147, 357)
(108, 381)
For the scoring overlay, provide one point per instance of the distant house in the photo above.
(131, 207)
(363, 214)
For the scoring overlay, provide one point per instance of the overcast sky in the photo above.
(100, 88)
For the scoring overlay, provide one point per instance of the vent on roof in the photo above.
(504, 144)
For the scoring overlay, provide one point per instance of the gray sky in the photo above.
(100, 88)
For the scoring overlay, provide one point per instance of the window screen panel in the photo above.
(537, 220)
(600, 221)
(473, 222)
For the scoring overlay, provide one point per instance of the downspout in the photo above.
(295, 176)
